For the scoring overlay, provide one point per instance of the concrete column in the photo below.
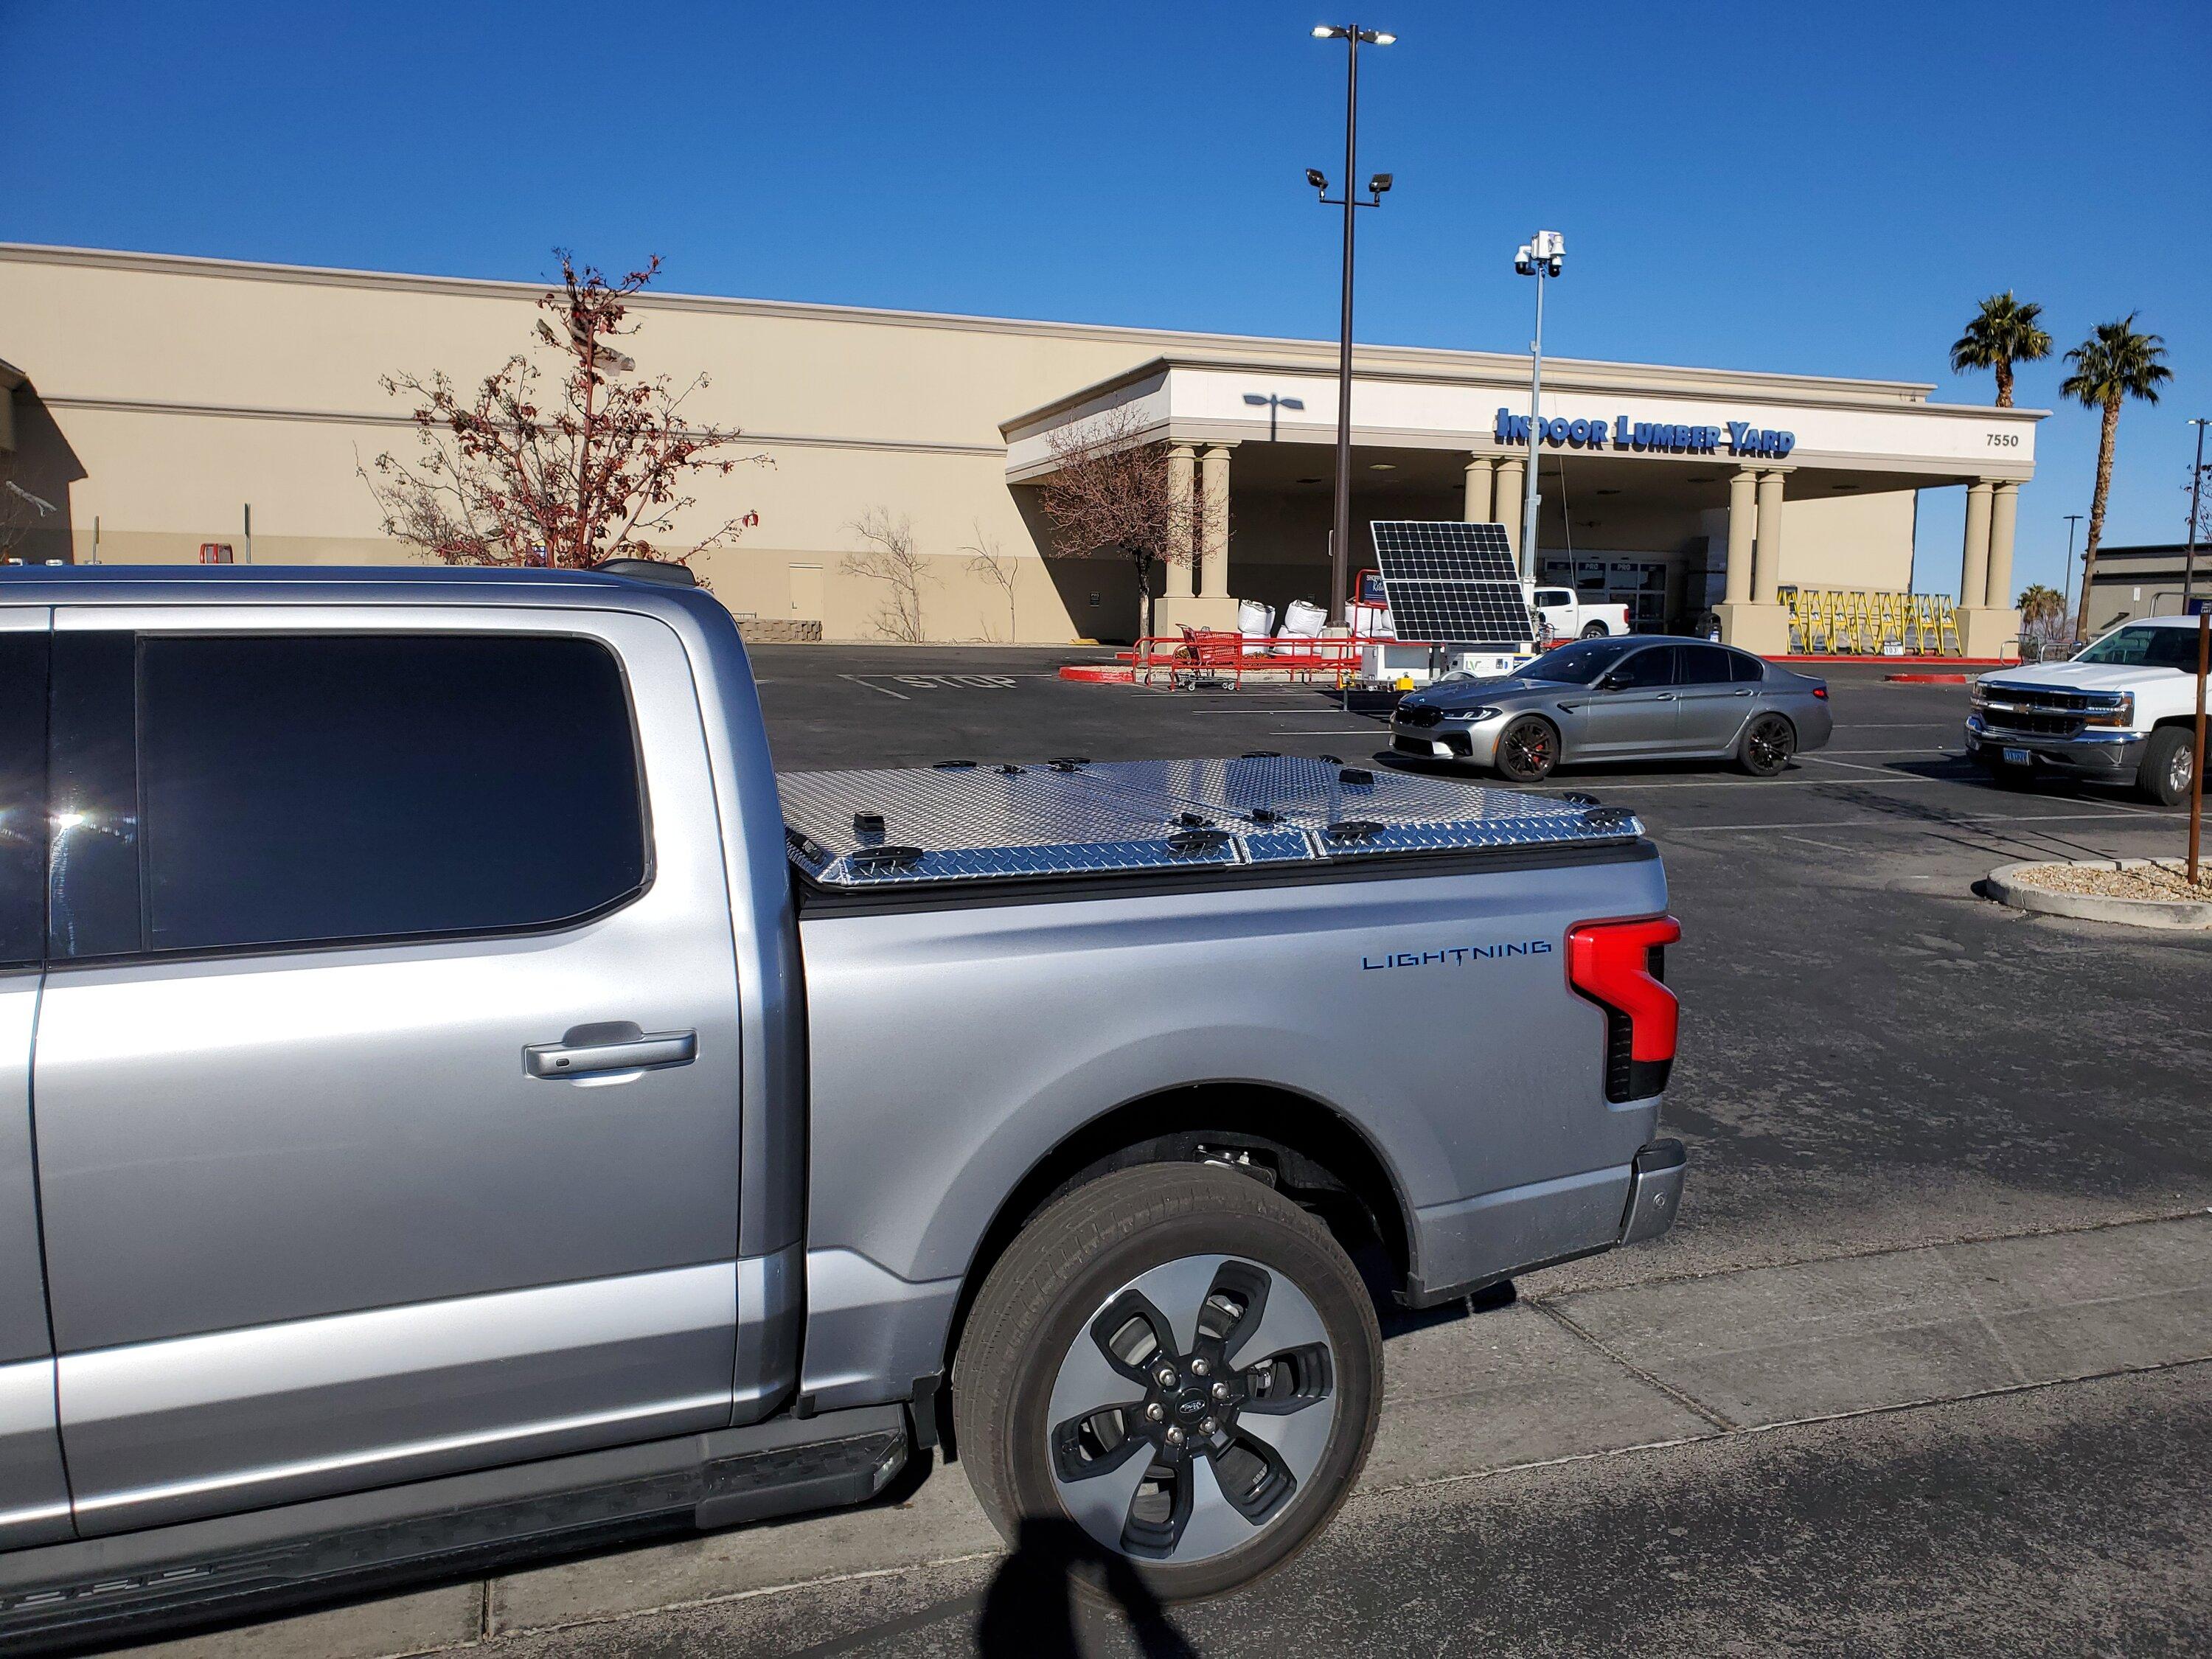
(1510, 471)
(2004, 516)
(1179, 520)
(1743, 514)
(1766, 557)
(1213, 489)
(1478, 484)
(1974, 561)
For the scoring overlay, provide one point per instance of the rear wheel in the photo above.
(1768, 744)
(1596, 630)
(2169, 765)
(1527, 749)
(1173, 1368)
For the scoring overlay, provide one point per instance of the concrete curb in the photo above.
(1927, 679)
(2183, 914)
(1098, 676)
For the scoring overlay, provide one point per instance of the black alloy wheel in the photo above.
(1768, 745)
(1527, 749)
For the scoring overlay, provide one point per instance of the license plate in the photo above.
(2018, 757)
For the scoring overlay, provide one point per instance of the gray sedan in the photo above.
(1641, 698)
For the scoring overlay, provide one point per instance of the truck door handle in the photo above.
(558, 1059)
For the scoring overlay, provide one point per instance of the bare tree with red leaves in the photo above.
(1109, 490)
(606, 472)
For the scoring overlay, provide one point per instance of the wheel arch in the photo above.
(1315, 1155)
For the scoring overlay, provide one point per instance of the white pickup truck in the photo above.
(1560, 609)
(2125, 711)
(1571, 617)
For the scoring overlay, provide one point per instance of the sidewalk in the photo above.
(1583, 1375)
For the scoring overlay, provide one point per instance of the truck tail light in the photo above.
(1622, 966)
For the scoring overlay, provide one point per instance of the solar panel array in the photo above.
(1449, 583)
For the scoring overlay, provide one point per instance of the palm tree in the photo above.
(2042, 611)
(2113, 363)
(2004, 331)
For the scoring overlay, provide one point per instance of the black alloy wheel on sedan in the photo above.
(1527, 749)
(1768, 744)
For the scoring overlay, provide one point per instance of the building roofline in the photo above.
(1560, 375)
(1191, 346)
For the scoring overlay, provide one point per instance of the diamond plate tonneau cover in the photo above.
(957, 823)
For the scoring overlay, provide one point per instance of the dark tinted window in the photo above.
(1578, 664)
(1742, 668)
(22, 797)
(1652, 666)
(92, 899)
(1703, 665)
(2148, 647)
(301, 789)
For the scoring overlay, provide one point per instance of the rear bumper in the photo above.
(1655, 1191)
(2109, 756)
(1464, 1247)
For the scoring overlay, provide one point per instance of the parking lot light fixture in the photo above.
(1543, 255)
(1340, 545)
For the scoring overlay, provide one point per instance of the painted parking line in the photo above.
(1915, 827)
(1749, 783)
(863, 680)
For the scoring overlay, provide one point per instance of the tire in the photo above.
(1527, 749)
(1122, 1260)
(1768, 743)
(1596, 630)
(2169, 765)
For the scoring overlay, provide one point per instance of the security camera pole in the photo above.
(1542, 255)
(1339, 578)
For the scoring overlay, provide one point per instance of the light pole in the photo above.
(1339, 548)
(2196, 484)
(2066, 599)
(1543, 255)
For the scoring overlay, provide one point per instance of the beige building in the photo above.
(157, 407)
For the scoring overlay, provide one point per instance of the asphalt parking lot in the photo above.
(1924, 1367)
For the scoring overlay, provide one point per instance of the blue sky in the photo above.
(1770, 186)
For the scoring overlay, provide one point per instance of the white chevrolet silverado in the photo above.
(2125, 711)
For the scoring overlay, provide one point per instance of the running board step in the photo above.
(98, 1590)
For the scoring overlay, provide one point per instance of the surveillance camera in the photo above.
(1558, 265)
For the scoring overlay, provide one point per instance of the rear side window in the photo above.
(22, 798)
(316, 789)
(1705, 665)
(1746, 670)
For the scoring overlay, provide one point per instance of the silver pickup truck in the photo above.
(456, 1100)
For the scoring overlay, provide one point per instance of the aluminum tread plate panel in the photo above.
(977, 822)
(894, 828)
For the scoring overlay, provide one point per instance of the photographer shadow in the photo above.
(1053, 1584)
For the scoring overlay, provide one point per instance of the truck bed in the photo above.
(960, 822)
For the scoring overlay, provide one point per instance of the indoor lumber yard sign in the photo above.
(1658, 437)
